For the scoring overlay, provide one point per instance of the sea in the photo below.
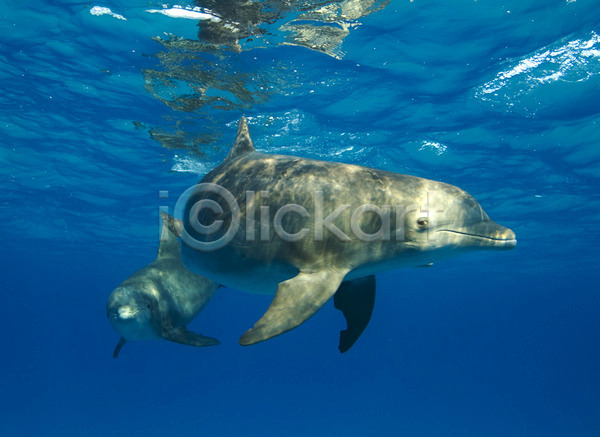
(110, 110)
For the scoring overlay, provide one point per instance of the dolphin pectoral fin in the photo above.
(296, 300)
(120, 344)
(184, 336)
(355, 299)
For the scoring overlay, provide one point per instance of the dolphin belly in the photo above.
(238, 273)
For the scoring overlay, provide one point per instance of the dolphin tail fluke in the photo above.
(183, 336)
(355, 299)
(296, 300)
(120, 344)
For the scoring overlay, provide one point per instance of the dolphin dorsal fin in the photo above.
(243, 143)
(171, 229)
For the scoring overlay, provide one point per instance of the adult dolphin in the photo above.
(158, 300)
(302, 228)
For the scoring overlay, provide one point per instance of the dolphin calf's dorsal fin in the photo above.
(243, 143)
(171, 229)
(174, 225)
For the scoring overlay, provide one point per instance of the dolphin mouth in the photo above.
(505, 239)
(126, 313)
(116, 317)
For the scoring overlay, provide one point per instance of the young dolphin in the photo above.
(300, 228)
(159, 300)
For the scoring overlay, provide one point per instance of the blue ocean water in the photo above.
(106, 104)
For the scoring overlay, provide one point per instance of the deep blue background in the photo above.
(501, 100)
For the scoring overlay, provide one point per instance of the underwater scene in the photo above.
(291, 218)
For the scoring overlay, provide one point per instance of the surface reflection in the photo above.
(216, 73)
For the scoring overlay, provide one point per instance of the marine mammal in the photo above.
(159, 300)
(300, 227)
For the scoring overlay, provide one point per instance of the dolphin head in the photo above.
(133, 313)
(446, 217)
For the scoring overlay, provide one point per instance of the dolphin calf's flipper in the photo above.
(184, 336)
(296, 300)
(120, 344)
(356, 300)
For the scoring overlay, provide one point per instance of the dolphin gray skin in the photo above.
(300, 227)
(159, 300)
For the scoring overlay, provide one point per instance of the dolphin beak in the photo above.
(122, 313)
(505, 238)
(126, 312)
(487, 234)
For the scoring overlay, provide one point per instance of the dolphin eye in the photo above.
(423, 222)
